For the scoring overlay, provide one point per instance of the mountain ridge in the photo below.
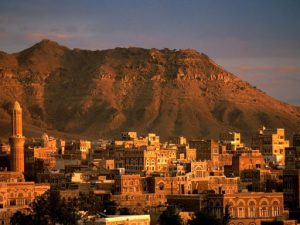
(103, 92)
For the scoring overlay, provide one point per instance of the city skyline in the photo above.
(137, 112)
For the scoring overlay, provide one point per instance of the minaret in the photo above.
(17, 140)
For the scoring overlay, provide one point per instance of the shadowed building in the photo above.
(17, 140)
(206, 149)
(296, 140)
(291, 176)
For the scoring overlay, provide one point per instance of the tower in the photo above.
(17, 140)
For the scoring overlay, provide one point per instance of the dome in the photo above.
(17, 106)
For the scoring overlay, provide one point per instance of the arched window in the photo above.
(231, 210)
(161, 186)
(241, 210)
(251, 209)
(275, 209)
(20, 195)
(218, 209)
(264, 209)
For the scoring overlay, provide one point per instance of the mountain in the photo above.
(101, 93)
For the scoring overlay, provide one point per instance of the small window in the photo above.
(161, 186)
(12, 202)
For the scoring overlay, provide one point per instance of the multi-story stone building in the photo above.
(148, 159)
(292, 157)
(261, 180)
(130, 144)
(161, 185)
(128, 184)
(189, 203)
(232, 140)
(4, 156)
(247, 161)
(206, 149)
(248, 208)
(202, 177)
(128, 192)
(180, 140)
(217, 184)
(291, 188)
(46, 154)
(165, 158)
(140, 159)
(296, 139)
(291, 176)
(185, 153)
(16, 194)
(271, 144)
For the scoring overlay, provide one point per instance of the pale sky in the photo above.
(257, 40)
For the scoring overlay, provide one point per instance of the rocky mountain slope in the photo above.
(101, 93)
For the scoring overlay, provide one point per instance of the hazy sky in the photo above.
(258, 40)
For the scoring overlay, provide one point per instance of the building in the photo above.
(247, 161)
(189, 203)
(291, 177)
(271, 144)
(162, 185)
(292, 157)
(180, 140)
(232, 140)
(206, 149)
(120, 220)
(202, 177)
(291, 188)
(17, 140)
(46, 154)
(128, 184)
(4, 157)
(165, 158)
(134, 159)
(296, 140)
(261, 180)
(84, 146)
(248, 208)
(17, 194)
(185, 153)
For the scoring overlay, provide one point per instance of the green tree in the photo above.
(110, 207)
(20, 218)
(170, 216)
(124, 211)
(226, 217)
(89, 203)
(48, 209)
